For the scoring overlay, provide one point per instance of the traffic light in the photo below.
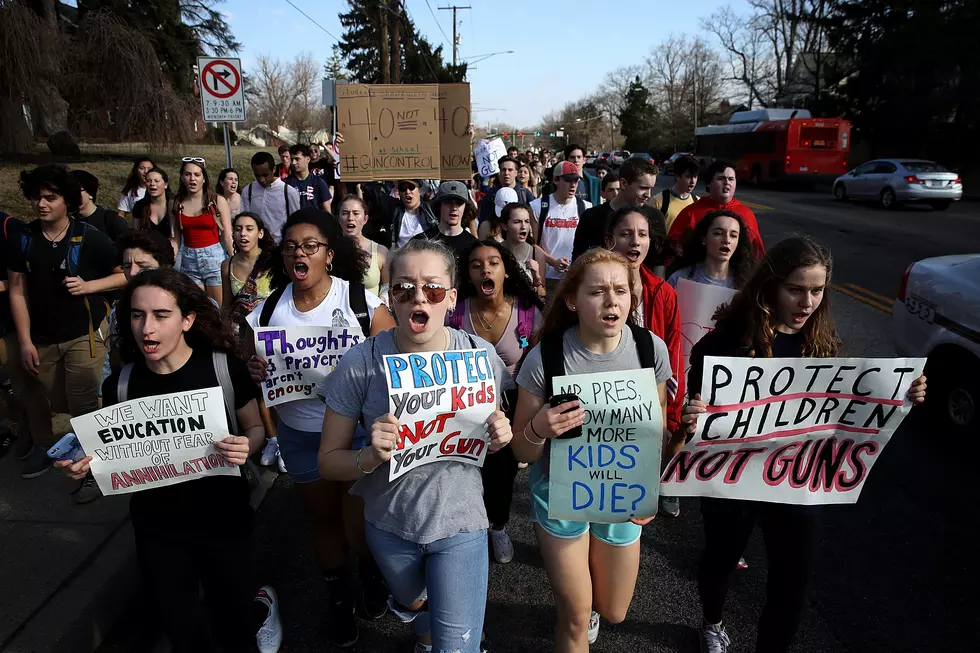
(506, 134)
(520, 134)
(551, 134)
(537, 134)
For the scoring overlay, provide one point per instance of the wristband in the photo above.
(535, 432)
(536, 444)
(357, 461)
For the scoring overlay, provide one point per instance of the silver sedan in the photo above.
(894, 182)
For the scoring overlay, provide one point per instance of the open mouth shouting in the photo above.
(487, 287)
(350, 227)
(610, 319)
(418, 320)
(633, 255)
(800, 317)
(725, 250)
(522, 234)
(300, 270)
(150, 347)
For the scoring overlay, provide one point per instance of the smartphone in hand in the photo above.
(67, 448)
(565, 398)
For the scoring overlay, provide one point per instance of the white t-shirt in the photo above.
(558, 230)
(333, 311)
(128, 201)
(409, 228)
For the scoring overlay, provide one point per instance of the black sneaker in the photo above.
(7, 443)
(23, 445)
(372, 602)
(342, 625)
(484, 643)
(87, 492)
(36, 464)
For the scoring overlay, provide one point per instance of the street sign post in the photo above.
(222, 93)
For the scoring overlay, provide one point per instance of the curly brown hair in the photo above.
(750, 315)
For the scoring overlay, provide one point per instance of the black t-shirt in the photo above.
(723, 342)
(591, 229)
(57, 315)
(210, 502)
(458, 243)
(10, 228)
(108, 222)
(141, 210)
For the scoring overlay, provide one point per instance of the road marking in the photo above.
(865, 299)
(870, 293)
(757, 207)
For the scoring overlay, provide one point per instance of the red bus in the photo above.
(779, 145)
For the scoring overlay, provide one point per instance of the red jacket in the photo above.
(690, 216)
(661, 315)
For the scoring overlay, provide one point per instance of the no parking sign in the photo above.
(222, 92)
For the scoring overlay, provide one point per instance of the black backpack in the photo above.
(355, 296)
(665, 200)
(553, 355)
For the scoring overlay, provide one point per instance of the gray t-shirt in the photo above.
(696, 274)
(579, 360)
(434, 501)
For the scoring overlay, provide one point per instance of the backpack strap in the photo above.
(358, 304)
(580, 206)
(545, 206)
(285, 197)
(664, 200)
(644, 346)
(270, 305)
(122, 383)
(552, 361)
(6, 219)
(250, 193)
(220, 361)
(525, 323)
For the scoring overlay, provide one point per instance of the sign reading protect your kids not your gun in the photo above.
(442, 401)
(798, 431)
(609, 473)
(298, 358)
(156, 441)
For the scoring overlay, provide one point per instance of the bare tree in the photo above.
(702, 80)
(24, 63)
(744, 43)
(273, 90)
(306, 116)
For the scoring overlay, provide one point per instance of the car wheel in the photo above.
(840, 193)
(954, 393)
(888, 200)
(940, 205)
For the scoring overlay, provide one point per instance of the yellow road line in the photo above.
(757, 207)
(870, 293)
(861, 298)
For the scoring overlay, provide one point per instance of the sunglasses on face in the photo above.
(405, 292)
(406, 187)
(192, 159)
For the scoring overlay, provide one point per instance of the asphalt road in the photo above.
(898, 570)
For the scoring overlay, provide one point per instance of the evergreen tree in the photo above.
(334, 68)
(637, 118)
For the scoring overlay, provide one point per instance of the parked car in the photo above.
(669, 163)
(616, 158)
(602, 157)
(894, 182)
(937, 315)
(590, 160)
(642, 155)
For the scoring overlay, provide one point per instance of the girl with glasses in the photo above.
(202, 228)
(319, 265)
(427, 528)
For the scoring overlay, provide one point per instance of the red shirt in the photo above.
(661, 315)
(200, 230)
(690, 216)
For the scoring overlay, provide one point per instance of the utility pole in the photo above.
(454, 9)
(396, 42)
(385, 59)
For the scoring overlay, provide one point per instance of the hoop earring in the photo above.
(329, 267)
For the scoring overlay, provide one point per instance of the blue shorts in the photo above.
(623, 534)
(300, 450)
(203, 264)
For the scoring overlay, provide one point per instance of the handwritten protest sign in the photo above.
(156, 441)
(697, 303)
(442, 400)
(487, 154)
(609, 473)
(300, 357)
(399, 131)
(790, 430)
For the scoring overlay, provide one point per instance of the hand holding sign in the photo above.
(384, 436)
(234, 448)
(690, 413)
(498, 428)
(917, 393)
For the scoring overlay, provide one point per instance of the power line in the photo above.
(311, 20)
(438, 24)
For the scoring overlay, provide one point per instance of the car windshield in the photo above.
(923, 166)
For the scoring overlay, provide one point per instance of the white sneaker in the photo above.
(269, 636)
(593, 627)
(270, 452)
(503, 548)
(714, 639)
(280, 462)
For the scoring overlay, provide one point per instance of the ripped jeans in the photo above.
(450, 573)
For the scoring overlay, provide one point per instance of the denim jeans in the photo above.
(450, 573)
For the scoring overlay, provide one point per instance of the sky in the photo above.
(558, 56)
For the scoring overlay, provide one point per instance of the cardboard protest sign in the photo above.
(792, 430)
(609, 473)
(300, 357)
(697, 303)
(405, 131)
(442, 400)
(156, 441)
(487, 154)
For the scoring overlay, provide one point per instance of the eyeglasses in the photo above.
(309, 248)
(192, 159)
(405, 292)
(404, 187)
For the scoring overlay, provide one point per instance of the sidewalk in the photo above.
(68, 572)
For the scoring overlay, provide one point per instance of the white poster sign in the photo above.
(697, 303)
(488, 153)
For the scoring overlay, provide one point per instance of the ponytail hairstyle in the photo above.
(558, 317)
(350, 262)
(750, 315)
(135, 180)
(208, 332)
(270, 258)
(695, 251)
(516, 283)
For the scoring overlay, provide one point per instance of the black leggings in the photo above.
(176, 566)
(499, 472)
(792, 537)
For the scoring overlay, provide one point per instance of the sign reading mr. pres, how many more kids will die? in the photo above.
(442, 400)
(298, 358)
(404, 131)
